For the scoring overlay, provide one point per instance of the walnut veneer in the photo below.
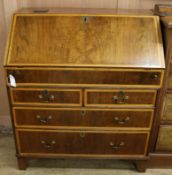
(86, 84)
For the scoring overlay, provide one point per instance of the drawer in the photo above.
(77, 143)
(46, 97)
(164, 142)
(167, 111)
(66, 117)
(111, 98)
(87, 76)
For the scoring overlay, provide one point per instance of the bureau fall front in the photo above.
(83, 83)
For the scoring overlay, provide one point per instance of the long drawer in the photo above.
(87, 76)
(80, 117)
(111, 98)
(46, 97)
(76, 143)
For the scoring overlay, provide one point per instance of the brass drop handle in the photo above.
(116, 147)
(15, 73)
(82, 135)
(155, 76)
(120, 98)
(121, 121)
(43, 119)
(48, 144)
(46, 97)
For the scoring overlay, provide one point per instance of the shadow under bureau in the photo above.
(84, 83)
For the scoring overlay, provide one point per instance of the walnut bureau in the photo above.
(83, 83)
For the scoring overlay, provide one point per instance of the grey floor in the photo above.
(8, 165)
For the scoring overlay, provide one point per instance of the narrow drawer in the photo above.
(66, 117)
(111, 98)
(87, 76)
(94, 143)
(164, 142)
(46, 97)
(167, 111)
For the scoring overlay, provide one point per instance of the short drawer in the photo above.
(77, 143)
(66, 117)
(83, 76)
(164, 142)
(46, 97)
(167, 111)
(111, 98)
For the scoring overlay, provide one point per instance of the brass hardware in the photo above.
(83, 113)
(155, 76)
(15, 73)
(82, 135)
(43, 119)
(122, 121)
(120, 98)
(46, 97)
(48, 144)
(116, 146)
(85, 18)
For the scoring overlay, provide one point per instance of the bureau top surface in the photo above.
(85, 39)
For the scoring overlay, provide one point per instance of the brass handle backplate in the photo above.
(121, 121)
(120, 98)
(155, 76)
(82, 135)
(117, 146)
(43, 119)
(46, 96)
(48, 144)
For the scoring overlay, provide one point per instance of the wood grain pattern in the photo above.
(61, 59)
(75, 143)
(82, 118)
(73, 41)
(74, 76)
(135, 98)
(60, 97)
(11, 6)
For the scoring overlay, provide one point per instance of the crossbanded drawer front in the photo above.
(113, 98)
(164, 142)
(46, 97)
(63, 142)
(85, 77)
(37, 117)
